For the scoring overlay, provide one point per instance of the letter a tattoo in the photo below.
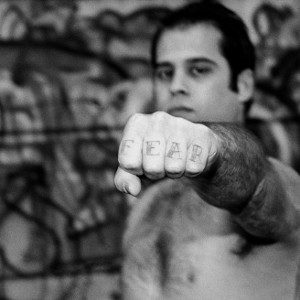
(174, 150)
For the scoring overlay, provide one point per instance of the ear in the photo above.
(245, 85)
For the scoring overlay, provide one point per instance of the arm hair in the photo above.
(243, 181)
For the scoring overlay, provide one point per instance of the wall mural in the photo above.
(278, 80)
(68, 83)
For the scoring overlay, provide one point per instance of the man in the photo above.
(223, 223)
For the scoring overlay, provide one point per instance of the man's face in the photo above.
(192, 77)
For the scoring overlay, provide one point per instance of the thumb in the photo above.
(127, 182)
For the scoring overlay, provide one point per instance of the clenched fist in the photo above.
(160, 145)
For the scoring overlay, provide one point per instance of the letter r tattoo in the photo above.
(196, 152)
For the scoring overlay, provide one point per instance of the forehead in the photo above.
(191, 41)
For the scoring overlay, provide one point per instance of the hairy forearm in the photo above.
(237, 171)
(269, 213)
(244, 182)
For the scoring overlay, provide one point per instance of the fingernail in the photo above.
(126, 189)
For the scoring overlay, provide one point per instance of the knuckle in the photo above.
(155, 176)
(174, 168)
(192, 174)
(175, 175)
(194, 168)
(204, 129)
(159, 114)
(159, 117)
(135, 118)
(136, 125)
(128, 164)
(153, 168)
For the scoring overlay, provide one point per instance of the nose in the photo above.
(178, 83)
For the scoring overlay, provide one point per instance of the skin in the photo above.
(192, 80)
(227, 215)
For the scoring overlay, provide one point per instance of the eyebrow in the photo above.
(202, 60)
(190, 61)
(162, 64)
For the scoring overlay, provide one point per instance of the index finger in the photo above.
(130, 149)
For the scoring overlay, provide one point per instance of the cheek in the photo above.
(209, 95)
(161, 95)
(216, 104)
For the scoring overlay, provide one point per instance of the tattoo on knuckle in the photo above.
(196, 152)
(151, 148)
(126, 145)
(174, 151)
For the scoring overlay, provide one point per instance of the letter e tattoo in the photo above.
(150, 145)
(196, 152)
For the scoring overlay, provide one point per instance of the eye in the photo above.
(197, 71)
(164, 73)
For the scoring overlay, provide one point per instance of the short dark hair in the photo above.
(235, 46)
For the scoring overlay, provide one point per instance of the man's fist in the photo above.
(160, 145)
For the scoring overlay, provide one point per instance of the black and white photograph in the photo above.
(149, 150)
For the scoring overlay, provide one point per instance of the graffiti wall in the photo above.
(71, 73)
